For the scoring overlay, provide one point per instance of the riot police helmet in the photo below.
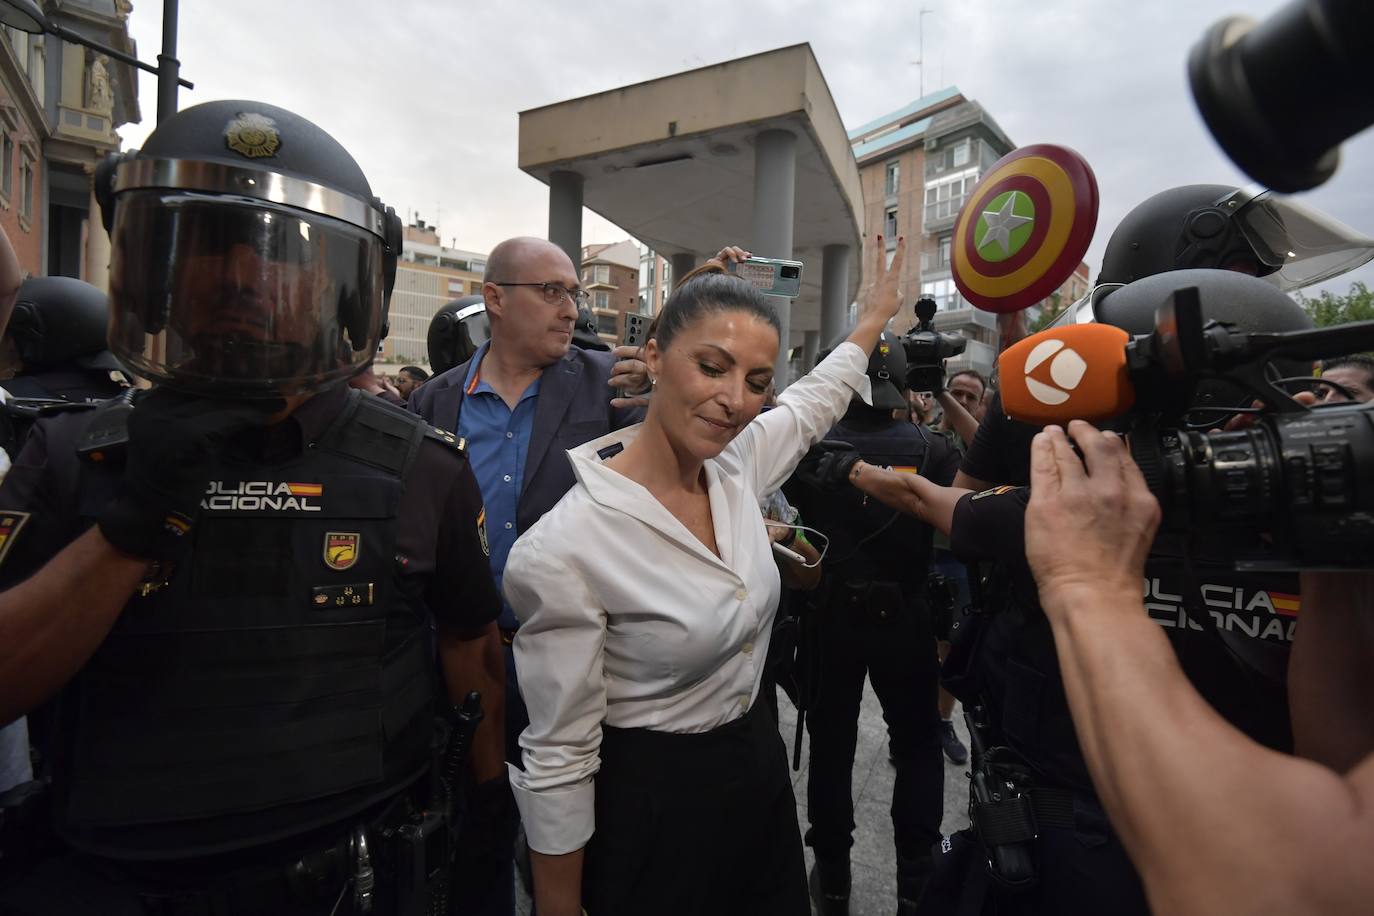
(249, 255)
(456, 331)
(887, 373)
(1247, 230)
(1243, 303)
(60, 322)
(585, 334)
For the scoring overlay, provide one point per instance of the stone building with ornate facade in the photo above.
(60, 105)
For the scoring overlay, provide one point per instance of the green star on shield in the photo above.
(1005, 226)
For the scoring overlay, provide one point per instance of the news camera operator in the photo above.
(873, 620)
(227, 593)
(1215, 821)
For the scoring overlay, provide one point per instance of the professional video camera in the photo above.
(1292, 490)
(1280, 96)
(1303, 477)
(927, 349)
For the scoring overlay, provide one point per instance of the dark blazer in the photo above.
(573, 407)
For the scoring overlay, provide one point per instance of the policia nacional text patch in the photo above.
(11, 523)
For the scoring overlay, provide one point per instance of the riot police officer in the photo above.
(55, 352)
(55, 343)
(872, 620)
(455, 332)
(1041, 842)
(227, 593)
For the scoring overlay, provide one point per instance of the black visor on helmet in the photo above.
(239, 297)
(1300, 245)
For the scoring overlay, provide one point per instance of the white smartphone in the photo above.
(788, 554)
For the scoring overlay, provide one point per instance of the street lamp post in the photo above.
(26, 16)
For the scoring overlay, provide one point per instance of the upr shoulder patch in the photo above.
(995, 491)
(11, 523)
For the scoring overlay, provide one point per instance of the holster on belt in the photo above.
(1008, 811)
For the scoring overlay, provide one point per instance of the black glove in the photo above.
(174, 442)
(826, 467)
(486, 841)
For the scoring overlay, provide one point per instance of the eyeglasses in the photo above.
(555, 293)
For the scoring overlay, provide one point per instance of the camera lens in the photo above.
(1293, 491)
(1280, 96)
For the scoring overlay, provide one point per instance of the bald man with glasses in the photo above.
(523, 400)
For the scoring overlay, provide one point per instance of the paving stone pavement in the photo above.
(873, 859)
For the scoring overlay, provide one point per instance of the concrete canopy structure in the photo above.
(676, 162)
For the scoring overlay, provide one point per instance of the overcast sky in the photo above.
(425, 93)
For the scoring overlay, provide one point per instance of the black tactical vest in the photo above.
(868, 540)
(282, 678)
(1015, 670)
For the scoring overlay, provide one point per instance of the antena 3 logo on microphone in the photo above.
(1072, 373)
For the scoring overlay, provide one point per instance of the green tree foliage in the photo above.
(1049, 310)
(1328, 309)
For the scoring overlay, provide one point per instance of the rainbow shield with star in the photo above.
(1025, 228)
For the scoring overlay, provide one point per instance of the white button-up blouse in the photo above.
(628, 619)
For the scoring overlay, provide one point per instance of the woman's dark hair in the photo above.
(706, 290)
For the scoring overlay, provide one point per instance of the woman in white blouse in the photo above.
(646, 599)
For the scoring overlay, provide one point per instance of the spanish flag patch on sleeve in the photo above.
(11, 523)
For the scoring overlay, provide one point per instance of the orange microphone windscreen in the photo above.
(1071, 373)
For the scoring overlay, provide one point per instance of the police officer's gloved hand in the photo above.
(827, 465)
(174, 442)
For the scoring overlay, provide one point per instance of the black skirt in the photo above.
(696, 825)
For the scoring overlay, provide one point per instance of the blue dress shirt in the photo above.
(498, 441)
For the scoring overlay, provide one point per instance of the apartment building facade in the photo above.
(428, 275)
(918, 166)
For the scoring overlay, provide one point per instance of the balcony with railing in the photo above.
(85, 124)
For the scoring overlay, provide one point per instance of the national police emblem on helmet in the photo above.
(252, 135)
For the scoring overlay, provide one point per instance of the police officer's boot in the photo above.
(911, 882)
(829, 886)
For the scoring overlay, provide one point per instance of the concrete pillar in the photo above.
(810, 347)
(97, 249)
(565, 215)
(775, 188)
(834, 293)
(683, 264)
